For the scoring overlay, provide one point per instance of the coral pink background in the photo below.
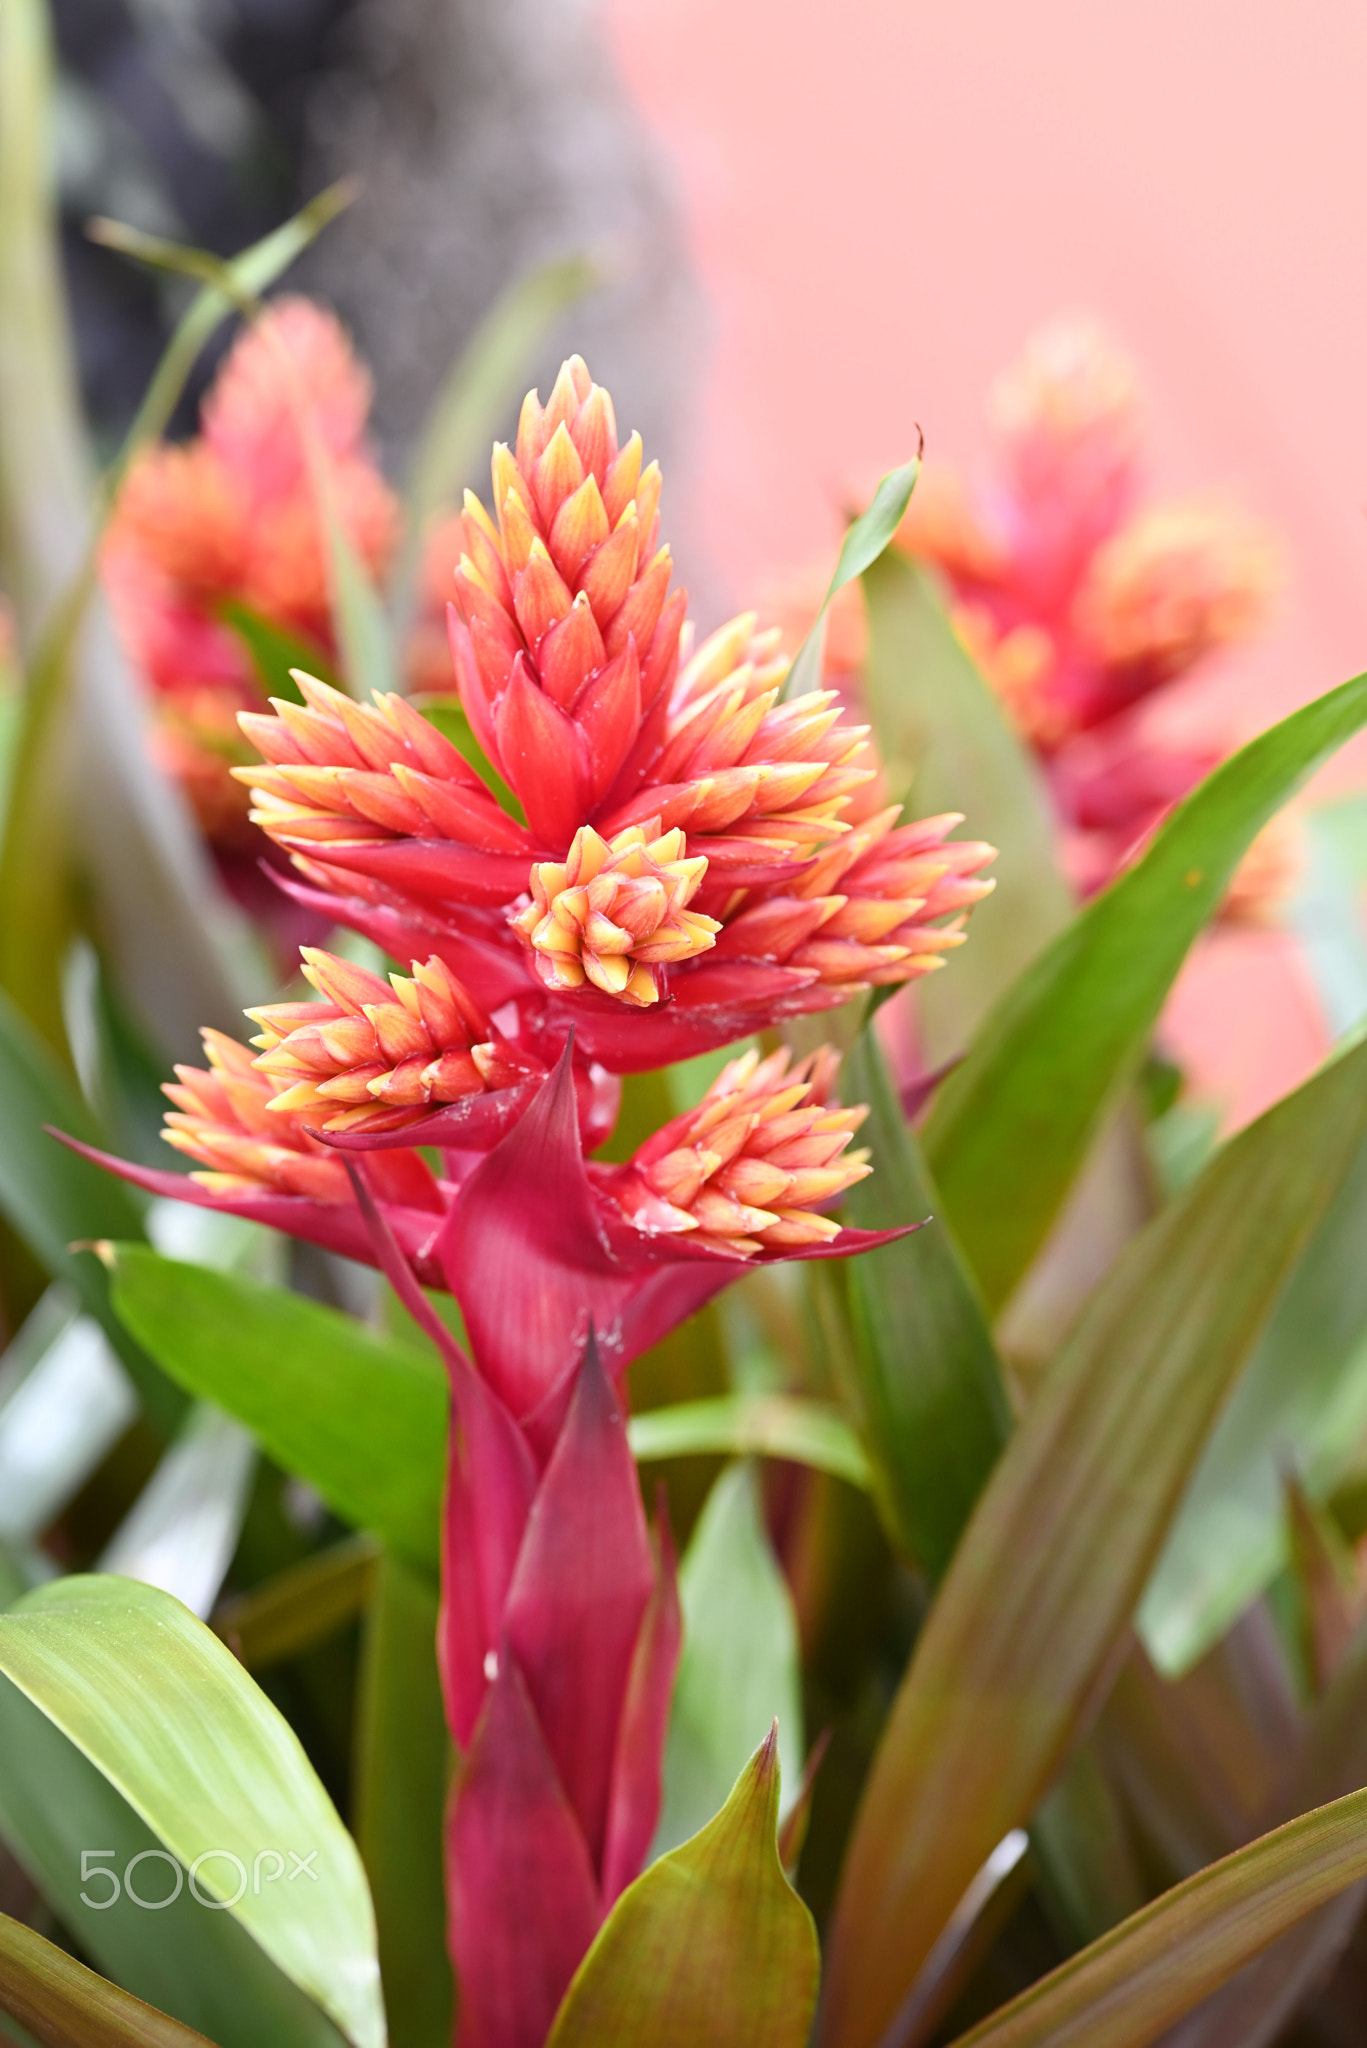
(883, 196)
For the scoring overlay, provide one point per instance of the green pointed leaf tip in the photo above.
(753, 1425)
(739, 1668)
(169, 1717)
(1011, 1126)
(361, 1417)
(1125, 1989)
(1051, 1566)
(930, 1389)
(64, 2005)
(865, 539)
(710, 1944)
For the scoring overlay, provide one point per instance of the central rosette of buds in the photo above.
(614, 911)
(377, 1055)
(745, 1169)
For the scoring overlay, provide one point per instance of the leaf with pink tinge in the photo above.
(583, 1582)
(490, 1482)
(474, 1124)
(492, 967)
(525, 1255)
(523, 1902)
(710, 1945)
(634, 1804)
(336, 1227)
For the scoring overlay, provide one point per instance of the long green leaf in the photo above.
(948, 747)
(361, 1417)
(64, 2005)
(710, 1945)
(53, 1199)
(1300, 1407)
(300, 1606)
(169, 1717)
(739, 1667)
(865, 540)
(403, 1765)
(1012, 1125)
(752, 1425)
(1126, 1988)
(1046, 1577)
(65, 1822)
(929, 1390)
(482, 383)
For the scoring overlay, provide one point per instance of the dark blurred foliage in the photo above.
(188, 118)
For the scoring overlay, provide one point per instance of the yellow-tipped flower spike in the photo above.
(377, 1055)
(751, 1167)
(224, 1119)
(612, 912)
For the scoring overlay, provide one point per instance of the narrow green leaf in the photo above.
(254, 271)
(1046, 1577)
(1126, 1988)
(865, 539)
(739, 1667)
(1301, 1406)
(1012, 1125)
(752, 1425)
(362, 1418)
(948, 747)
(483, 382)
(275, 653)
(170, 1718)
(300, 1606)
(65, 1822)
(711, 1944)
(54, 1199)
(64, 2005)
(929, 1390)
(403, 1766)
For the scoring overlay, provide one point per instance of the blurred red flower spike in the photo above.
(523, 1901)
(634, 1804)
(333, 1227)
(583, 1582)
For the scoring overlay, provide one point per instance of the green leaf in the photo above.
(1011, 1126)
(739, 1667)
(948, 747)
(929, 1388)
(865, 539)
(1301, 1407)
(1047, 1575)
(64, 2005)
(1126, 1988)
(53, 1199)
(752, 1425)
(711, 1944)
(362, 1418)
(182, 1957)
(275, 653)
(403, 1767)
(166, 1714)
(483, 382)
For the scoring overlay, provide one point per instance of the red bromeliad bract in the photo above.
(696, 859)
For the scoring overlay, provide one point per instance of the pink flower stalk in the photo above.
(231, 516)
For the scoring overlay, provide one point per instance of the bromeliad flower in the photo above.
(230, 518)
(379, 1055)
(609, 914)
(750, 1166)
